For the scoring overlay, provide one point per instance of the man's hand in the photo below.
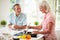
(11, 26)
(29, 27)
(19, 27)
(16, 27)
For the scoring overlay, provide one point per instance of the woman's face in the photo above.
(17, 9)
(43, 9)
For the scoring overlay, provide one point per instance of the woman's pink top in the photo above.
(49, 17)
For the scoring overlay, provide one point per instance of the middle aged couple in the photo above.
(18, 21)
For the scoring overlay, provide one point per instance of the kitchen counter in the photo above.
(12, 32)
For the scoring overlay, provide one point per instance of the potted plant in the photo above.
(3, 23)
(36, 23)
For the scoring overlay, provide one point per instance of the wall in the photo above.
(29, 8)
(4, 9)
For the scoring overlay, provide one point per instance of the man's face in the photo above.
(17, 9)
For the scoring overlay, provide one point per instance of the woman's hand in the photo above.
(35, 27)
(35, 32)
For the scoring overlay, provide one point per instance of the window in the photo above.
(58, 14)
(31, 9)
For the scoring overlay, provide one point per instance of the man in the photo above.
(17, 19)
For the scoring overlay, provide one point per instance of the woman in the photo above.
(48, 24)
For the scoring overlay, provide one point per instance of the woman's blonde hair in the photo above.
(46, 5)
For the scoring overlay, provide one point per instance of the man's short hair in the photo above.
(16, 5)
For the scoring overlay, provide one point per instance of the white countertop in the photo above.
(12, 32)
